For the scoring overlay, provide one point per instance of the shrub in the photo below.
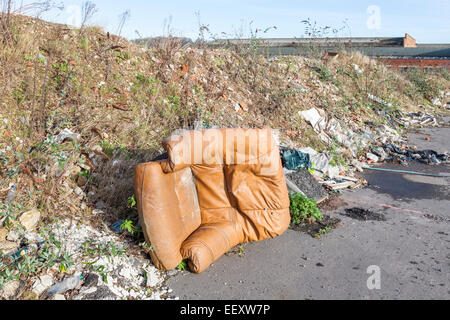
(323, 73)
(424, 84)
(303, 208)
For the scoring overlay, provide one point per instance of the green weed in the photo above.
(129, 226)
(183, 265)
(303, 208)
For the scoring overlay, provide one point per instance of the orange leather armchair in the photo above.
(217, 189)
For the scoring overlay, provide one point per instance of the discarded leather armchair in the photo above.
(217, 189)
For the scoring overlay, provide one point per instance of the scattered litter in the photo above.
(379, 151)
(404, 155)
(309, 151)
(116, 226)
(19, 253)
(314, 118)
(295, 159)
(372, 157)
(437, 102)
(66, 285)
(11, 194)
(379, 100)
(330, 56)
(357, 68)
(320, 164)
(335, 186)
(66, 134)
(420, 118)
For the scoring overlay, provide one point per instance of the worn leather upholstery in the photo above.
(218, 188)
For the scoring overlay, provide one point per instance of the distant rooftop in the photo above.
(372, 46)
(407, 41)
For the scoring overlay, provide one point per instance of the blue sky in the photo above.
(426, 20)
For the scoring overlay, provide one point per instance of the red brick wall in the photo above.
(409, 42)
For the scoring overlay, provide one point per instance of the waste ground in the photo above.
(107, 107)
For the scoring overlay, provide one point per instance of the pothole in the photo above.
(364, 215)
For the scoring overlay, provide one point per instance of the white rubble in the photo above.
(124, 275)
(30, 219)
(42, 284)
(66, 134)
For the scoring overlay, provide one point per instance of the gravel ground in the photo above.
(308, 184)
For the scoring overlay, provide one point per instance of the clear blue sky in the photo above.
(426, 20)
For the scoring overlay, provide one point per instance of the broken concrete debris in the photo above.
(9, 290)
(122, 276)
(350, 136)
(372, 158)
(30, 219)
(323, 171)
(335, 186)
(65, 135)
(313, 117)
(419, 118)
(42, 284)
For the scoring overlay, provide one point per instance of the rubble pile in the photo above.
(97, 266)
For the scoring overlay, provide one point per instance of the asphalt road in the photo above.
(411, 249)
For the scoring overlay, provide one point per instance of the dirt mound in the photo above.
(308, 185)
